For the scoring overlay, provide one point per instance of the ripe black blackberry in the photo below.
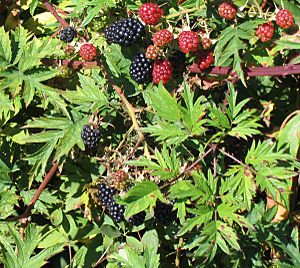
(90, 136)
(125, 32)
(141, 69)
(164, 213)
(106, 194)
(116, 211)
(67, 34)
(138, 219)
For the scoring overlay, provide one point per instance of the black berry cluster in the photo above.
(138, 219)
(67, 34)
(164, 213)
(141, 69)
(125, 32)
(90, 136)
(106, 197)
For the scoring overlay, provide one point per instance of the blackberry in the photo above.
(106, 194)
(125, 32)
(90, 136)
(67, 34)
(164, 213)
(141, 69)
(138, 219)
(107, 199)
(116, 211)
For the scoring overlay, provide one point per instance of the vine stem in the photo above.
(132, 115)
(250, 72)
(62, 21)
(24, 217)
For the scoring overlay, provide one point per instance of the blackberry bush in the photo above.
(125, 32)
(198, 102)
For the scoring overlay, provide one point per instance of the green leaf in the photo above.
(231, 42)
(163, 103)
(290, 135)
(5, 46)
(141, 196)
(90, 95)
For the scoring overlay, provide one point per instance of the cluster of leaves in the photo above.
(219, 155)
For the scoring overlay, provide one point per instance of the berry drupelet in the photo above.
(67, 34)
(88, 52)
(164, 213)
(150, 13)
(162, 71)
(90, 136)
(227, 10)
(125, 32)
(188, 41)
(284, 19)
(265, 31)
(141, 69)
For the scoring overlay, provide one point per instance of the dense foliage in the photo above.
(121, 145)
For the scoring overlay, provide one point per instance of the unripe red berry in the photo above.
(265, 31)
(188, 41)
(284, 19)
(162, 38)
(152, 52)
(150, 13)
(227, 10)
(206, 43)
(88, 52)
(162, 71)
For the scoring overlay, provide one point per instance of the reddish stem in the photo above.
(250, 72)
(62, 22)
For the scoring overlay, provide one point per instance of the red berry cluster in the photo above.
(265, 31)
(152, 52)
(162, 71)
(284, 19)
(88, 52)
(150, 13)
(162, 38)
(227, 10)
(188, 41)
